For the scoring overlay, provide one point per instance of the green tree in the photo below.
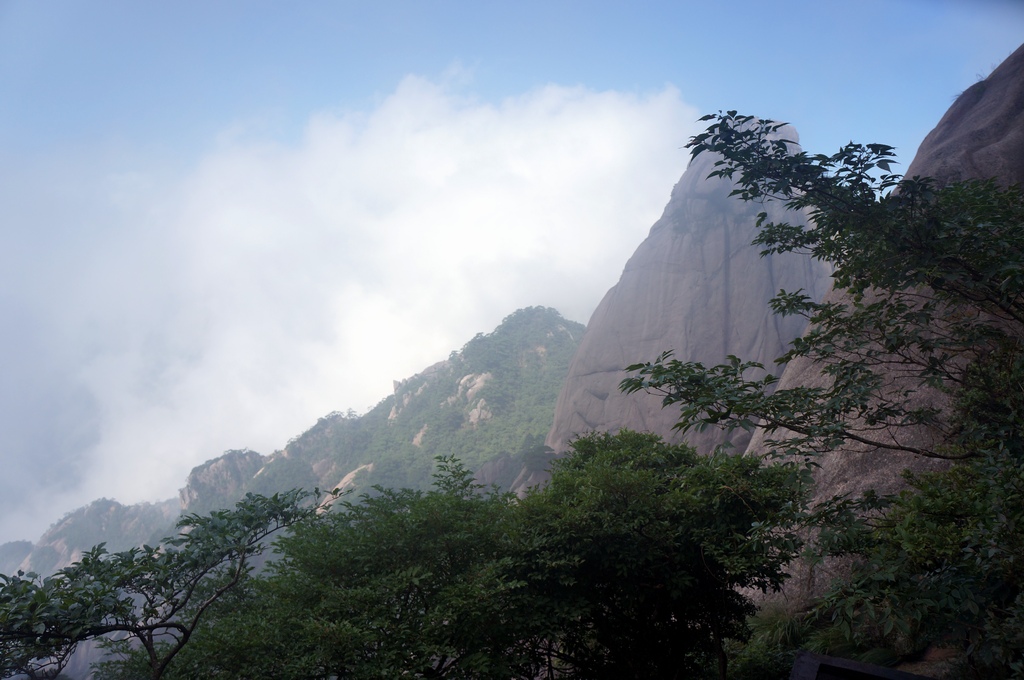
(628, 565)
(152, 598)
(639, 550)
(396, 583)
(934, 282)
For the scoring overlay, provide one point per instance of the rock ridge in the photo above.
(695, 286)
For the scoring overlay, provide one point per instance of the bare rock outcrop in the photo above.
(982, 133)
(218, 483)
(696, 286)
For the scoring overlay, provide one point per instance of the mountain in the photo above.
(980, 136)
(982, 133)
(695, 286)
(490, 404)
(102, 521)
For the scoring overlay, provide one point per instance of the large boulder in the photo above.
(695, 286)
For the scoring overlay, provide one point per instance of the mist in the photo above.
(158, 313)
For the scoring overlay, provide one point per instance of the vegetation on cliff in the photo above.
(437, 412)
(922, 354)
(488, 401)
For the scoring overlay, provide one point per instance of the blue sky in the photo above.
(224, 220)
(170, 74)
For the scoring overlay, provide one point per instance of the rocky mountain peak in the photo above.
(695, 286)
(982, 133)
(222, 477)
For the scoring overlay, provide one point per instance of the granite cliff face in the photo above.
(982, 133)
(981, 136)
(695, 286)
(216, 479)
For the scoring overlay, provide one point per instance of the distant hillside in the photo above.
(490, 403)
(493, 400)
(102, 521)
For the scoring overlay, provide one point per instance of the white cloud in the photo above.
(277, 282)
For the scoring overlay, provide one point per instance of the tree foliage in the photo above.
(645, 553)
(149, 597)
(933, 304)
(627, 565)
(934, 281)
(395, 583)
